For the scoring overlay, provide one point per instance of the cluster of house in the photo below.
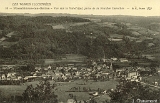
(7, 73)
(98, 71)
(67, 73)
(59, 73)
(10, 76)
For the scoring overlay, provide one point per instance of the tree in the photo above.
(42, 93)
(153, 67)
(134, 64)
(128, 90)
(30, 67)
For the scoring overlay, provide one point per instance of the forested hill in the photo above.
(48, 37)
(34, 37)
(40, 37)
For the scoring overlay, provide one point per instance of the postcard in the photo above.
(79, 51)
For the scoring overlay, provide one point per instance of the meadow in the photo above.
(62, 89)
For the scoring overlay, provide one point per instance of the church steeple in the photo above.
(111, 66)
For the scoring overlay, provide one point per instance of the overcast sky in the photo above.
(126, 7)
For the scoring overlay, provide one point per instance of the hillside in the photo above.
(47, 37)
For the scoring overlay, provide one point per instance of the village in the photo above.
(100, 71)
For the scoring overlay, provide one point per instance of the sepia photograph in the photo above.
(84, 51)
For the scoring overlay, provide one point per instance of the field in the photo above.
(11, 90)
(62, 88)
(68, 58)
(157, 56)
(68, 25)
(116, 36)
(153, 53)
(63, 96)
(7, 44)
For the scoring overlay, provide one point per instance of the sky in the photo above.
(95, 7)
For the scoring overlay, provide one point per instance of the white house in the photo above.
(46, 69)
(38, 68)
(11, 74)
(114, 59)
(58, 74)
(3, 77)
(123, 60)
(159, 72)
(74, 68)
(99, 67)
(132, 74)
(77, 73)
(64, 77)
(49, 67)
